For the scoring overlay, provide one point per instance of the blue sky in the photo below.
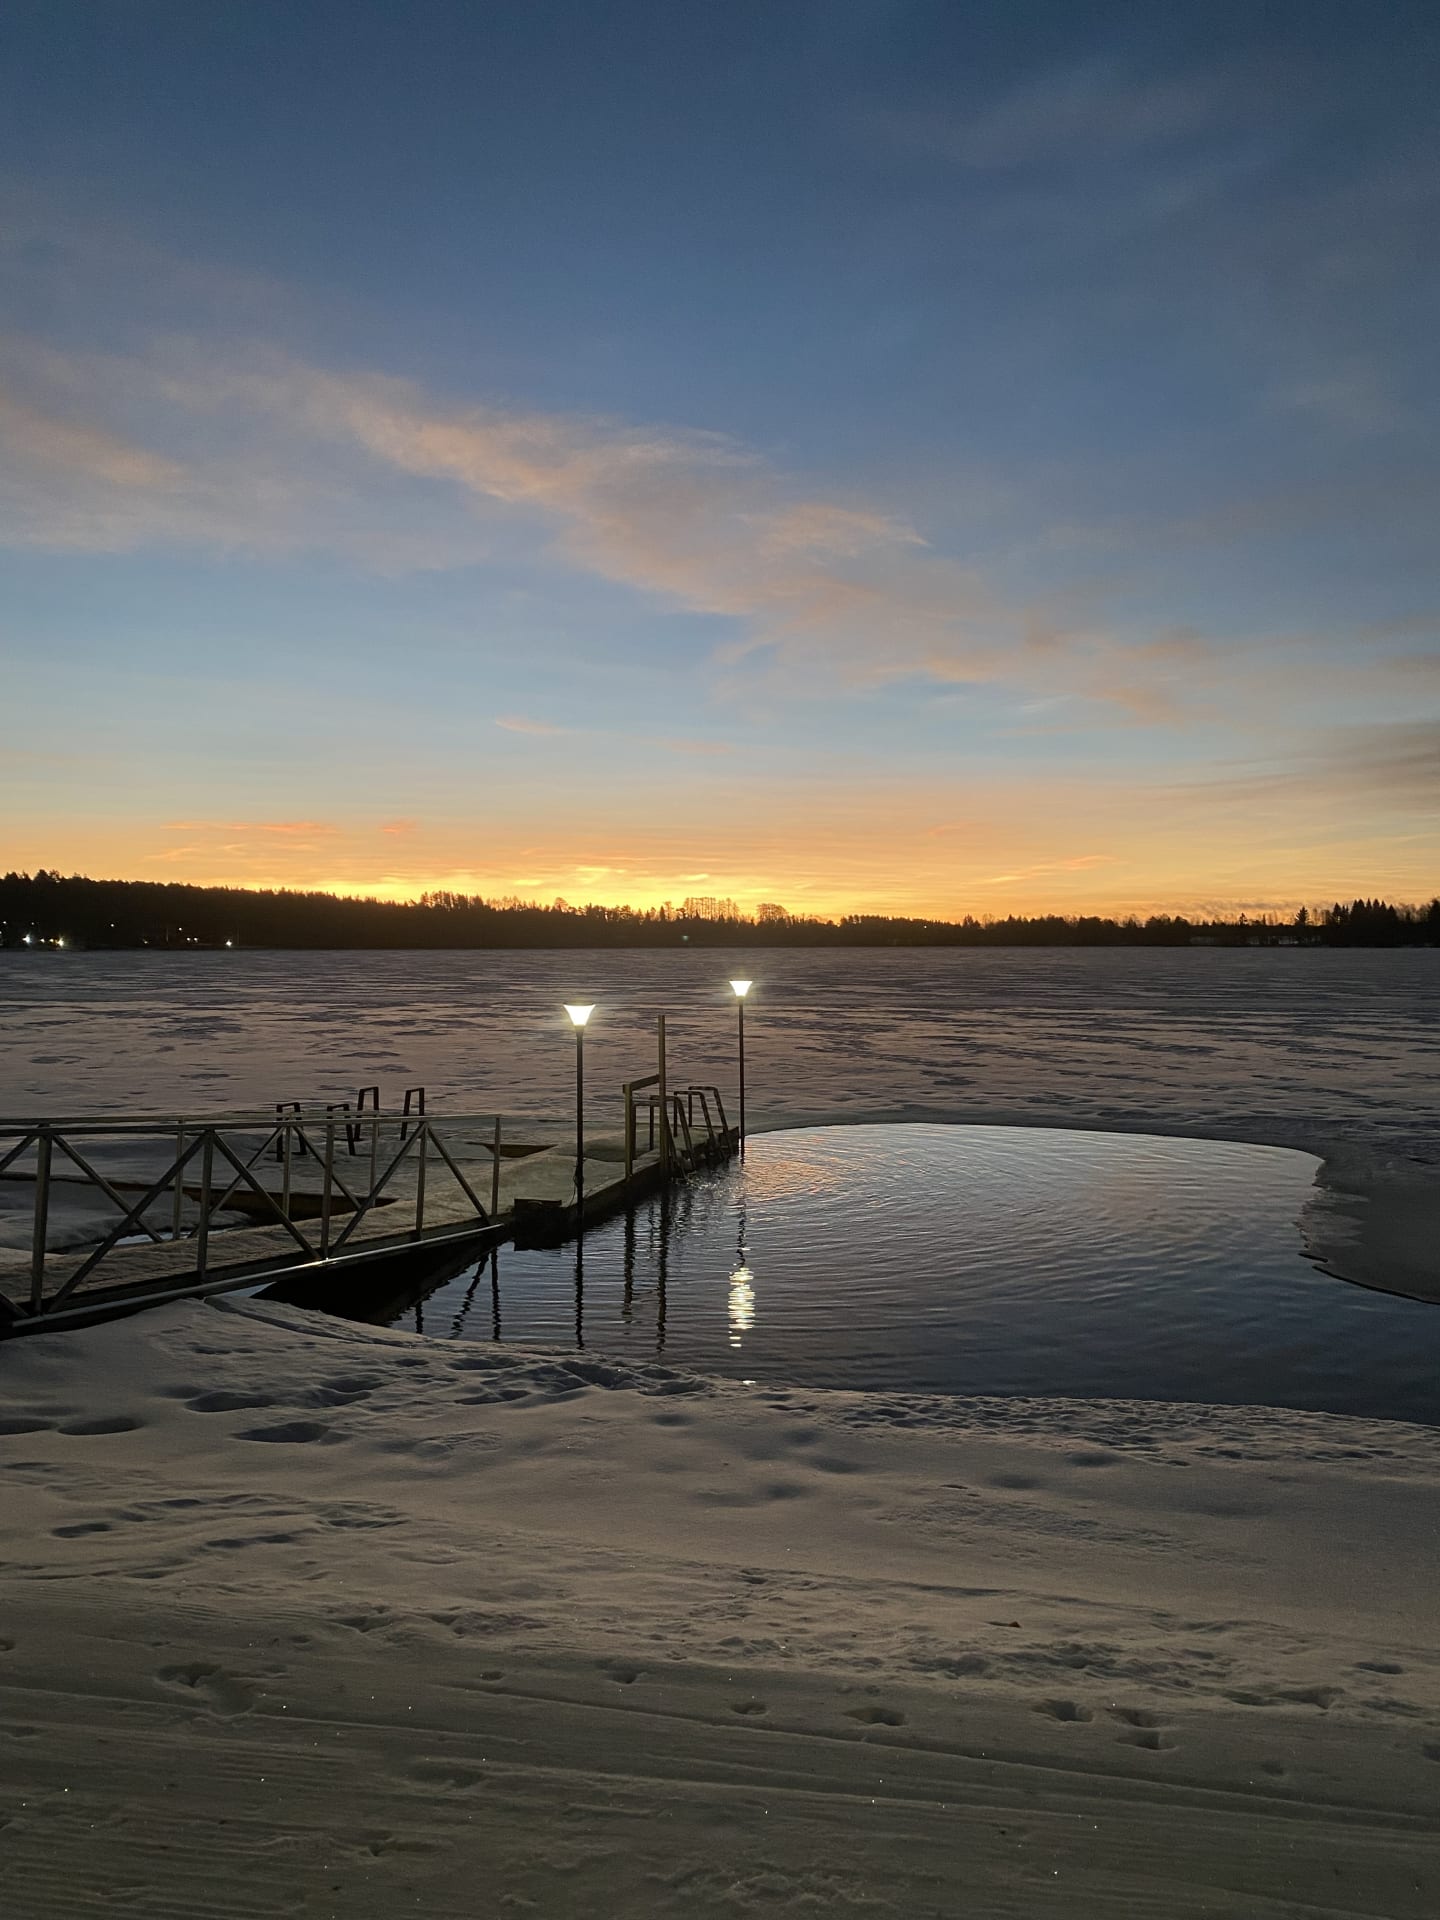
(937, 456)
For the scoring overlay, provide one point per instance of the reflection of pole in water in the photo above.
(662, 1269)
(495, 1293)
(419, 1318)
(627, 1301)
(579, 1292)
(459, 1325)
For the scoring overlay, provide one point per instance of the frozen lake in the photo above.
(1288, 1046)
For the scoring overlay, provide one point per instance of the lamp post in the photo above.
(740, 988)
(578, 1017)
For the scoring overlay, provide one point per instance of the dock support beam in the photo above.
(207, 1175)
(40, 1228)
(664, 1105)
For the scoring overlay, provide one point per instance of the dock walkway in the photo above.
(101, 1216)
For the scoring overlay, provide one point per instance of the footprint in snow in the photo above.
(1135, 1716)
(291, 1432)
(208, 1686)
(1067, 1710)
(221, 1402)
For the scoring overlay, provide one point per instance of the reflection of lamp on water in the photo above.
(740, 988)
(578, 1017)
(741, 1306)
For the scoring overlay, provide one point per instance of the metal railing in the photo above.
(211, 1174)
(671, 1125)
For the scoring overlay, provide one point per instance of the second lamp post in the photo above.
(578, 1017)
(740, 988)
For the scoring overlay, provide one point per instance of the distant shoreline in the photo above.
(51, 912)
(1016, 944)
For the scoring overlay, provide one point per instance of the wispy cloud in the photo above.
(272, 453)
(517, 723)
(817, 594)
(1396, 762)
(1354, 395)
(707, 749)
(310, 828)
(658, 743)
(1082, 863)
(1094, 110)
(66, 447)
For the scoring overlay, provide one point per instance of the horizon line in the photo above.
(439, 898)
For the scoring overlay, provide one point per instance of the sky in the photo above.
(922, 456)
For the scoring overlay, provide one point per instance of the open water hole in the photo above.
(987, 1260)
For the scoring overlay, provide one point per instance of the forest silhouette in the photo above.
(46, 909)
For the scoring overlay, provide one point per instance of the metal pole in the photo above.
(664, 1109)
(177, 1208)
(495, 1176)
(580, 1123)
(325, 1194)
(40, 1225)
(422, 1127)
(740, 1003)
(207, 1164)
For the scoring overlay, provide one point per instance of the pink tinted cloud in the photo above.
(517, 723)
(310, 827)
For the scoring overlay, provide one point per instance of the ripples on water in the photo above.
(976, 1260)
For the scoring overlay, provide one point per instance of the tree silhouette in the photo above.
(143, 913)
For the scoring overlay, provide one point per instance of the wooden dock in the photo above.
(126, 1213)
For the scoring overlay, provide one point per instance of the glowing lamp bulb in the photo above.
(741, 987)
(579, 1015)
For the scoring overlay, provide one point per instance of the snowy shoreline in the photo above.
(336, 1619)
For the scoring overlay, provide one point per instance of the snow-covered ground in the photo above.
(300, 1617)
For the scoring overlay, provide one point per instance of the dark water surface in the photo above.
(957, 1259)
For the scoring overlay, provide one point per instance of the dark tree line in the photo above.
(51, 909)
